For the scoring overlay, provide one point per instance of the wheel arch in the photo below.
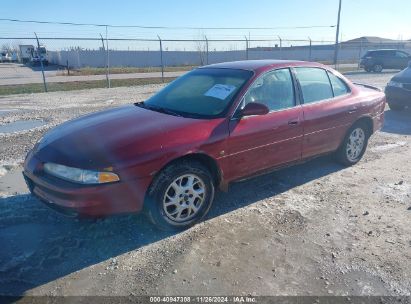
(367, 120)
(202, 158)
(364, 119)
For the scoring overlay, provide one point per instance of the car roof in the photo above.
(257, 65)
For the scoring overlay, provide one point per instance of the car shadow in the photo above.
(40, 245)
(397, 122)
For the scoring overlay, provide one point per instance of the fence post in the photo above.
(337, 33)
(246, 48)
(41, 63)
(359, 55)
(206, 48)
(104, 49)
(108, 59)
(309, 52)
(161, 58)
(68, 68)
(281, 47)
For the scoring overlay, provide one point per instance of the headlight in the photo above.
(395, 84)
(79, 175)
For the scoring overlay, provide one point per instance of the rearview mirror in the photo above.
(254, 108)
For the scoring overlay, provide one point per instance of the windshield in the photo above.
(202, 93)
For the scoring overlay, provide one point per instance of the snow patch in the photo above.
(387, 147)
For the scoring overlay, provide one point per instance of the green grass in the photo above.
(123, 70)
(82, 85)
(77, 85)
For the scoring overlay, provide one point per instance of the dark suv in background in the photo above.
(398, 90)
(377, 60)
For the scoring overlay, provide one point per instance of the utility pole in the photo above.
(336, 35)
(104, 53)
(108, 59)
(41, 63)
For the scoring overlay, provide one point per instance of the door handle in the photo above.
(293, 122)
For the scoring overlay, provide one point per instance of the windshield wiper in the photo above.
(158, 109)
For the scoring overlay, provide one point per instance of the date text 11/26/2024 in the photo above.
(203, 299)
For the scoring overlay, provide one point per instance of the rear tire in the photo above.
(396, 107)
(180, 196)
(354, 145)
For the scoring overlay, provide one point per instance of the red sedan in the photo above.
(212, 126)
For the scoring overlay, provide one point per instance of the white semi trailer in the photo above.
(29, 53)
(26, 52)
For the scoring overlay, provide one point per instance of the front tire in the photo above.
(180, 196)
(354, 145)
(377, 68)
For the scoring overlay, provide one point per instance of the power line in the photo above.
(165, 40)
(166, 27)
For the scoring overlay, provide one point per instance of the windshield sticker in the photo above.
(220, 91)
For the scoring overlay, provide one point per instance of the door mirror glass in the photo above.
(254, 108)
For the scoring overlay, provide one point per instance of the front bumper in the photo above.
(398, 96)
(84, 200)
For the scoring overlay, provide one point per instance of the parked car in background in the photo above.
(3, 57)
(398, 90)
(37, 60)
(212, 126)
(377, 60)
(12, 57)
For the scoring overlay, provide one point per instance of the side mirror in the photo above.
(254, 108)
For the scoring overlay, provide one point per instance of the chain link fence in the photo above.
(105, 61)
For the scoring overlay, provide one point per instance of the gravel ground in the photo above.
(313, 229)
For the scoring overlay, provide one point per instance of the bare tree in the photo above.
(201, 47)
(5, 47)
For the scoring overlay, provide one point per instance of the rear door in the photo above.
(389, 59)
(328, 110)
(260, 142)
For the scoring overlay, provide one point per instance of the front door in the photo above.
(260, 142)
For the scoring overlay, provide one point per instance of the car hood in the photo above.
(120, 137)
(404, 76)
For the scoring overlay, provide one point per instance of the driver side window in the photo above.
(274, 89)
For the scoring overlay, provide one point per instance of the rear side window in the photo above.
(314, 83)
(401, 54)
(338, 85)
(385, 53)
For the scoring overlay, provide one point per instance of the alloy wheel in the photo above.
(378, 68)
(184, 197)
(355, 144)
